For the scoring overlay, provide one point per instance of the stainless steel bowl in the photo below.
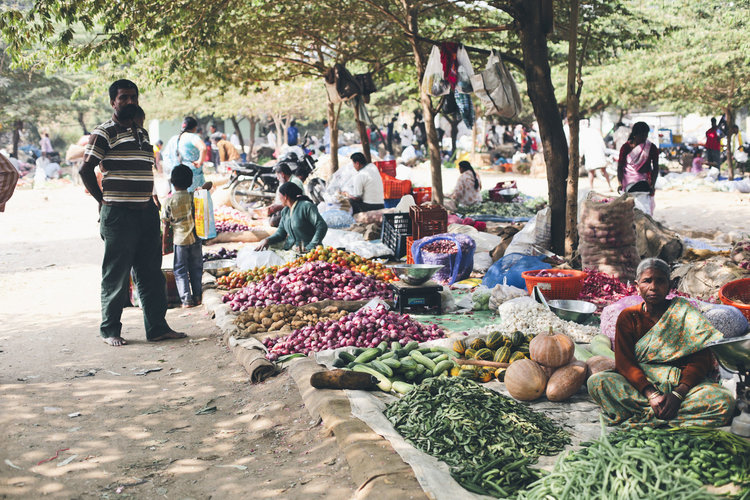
(219, 268)
(572, 310)
(415, 274)
(733, 354)
(508, 194)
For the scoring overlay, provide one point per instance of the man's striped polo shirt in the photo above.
(125, 158)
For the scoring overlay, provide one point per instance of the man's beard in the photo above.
(127, 112)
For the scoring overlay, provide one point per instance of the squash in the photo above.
(477, 344)
(502, 355)
(517, 338)
(483, 354)
(525, 380)
(500, 374)
(485, 375)
(459, 346)
(516, 356)
(469, 353)
(566, 381)
(598, 364)
(455, 371)
(469, 373)
(495, 340)
(548, 371)
(551, 350)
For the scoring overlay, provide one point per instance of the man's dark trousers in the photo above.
(132, 239)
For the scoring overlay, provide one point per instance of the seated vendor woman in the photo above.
(661, 362)
(301, 227)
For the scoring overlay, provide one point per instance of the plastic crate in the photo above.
(409, 243)
(566, 287)
(421, 195)
(391, 203)
(396, 230)
(427, 220)
(734, 291)
(387, 167)
(394, 188)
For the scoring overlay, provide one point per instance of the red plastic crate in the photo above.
(409, 242)
(421, 195)
(387, 167)
(566, 287)
(394, 188)
(427, 220)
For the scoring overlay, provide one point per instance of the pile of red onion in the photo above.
(602, 289)
(231, 227)
(364, 328)
(312, 282)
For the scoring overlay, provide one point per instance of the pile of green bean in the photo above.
(488, 440)
(649, 463)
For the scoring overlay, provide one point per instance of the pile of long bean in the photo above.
(649, 463)
(488, 440)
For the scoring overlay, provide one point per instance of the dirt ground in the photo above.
(116, 431)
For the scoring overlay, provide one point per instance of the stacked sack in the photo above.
(607, 236)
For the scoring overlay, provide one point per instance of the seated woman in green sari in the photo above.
(661, 362)
(301, 228)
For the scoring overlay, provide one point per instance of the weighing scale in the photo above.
(417, 299)
(734, 355)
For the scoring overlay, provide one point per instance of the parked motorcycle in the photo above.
(252, 186)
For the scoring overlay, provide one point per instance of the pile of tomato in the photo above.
(349, 260)
(238, 279)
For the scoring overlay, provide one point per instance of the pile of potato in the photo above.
(284, 317)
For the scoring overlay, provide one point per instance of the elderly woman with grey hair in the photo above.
(661, 364)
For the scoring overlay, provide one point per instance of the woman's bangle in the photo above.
(678, 395)
(653, 395)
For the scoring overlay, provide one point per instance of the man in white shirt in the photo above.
(367, 186)
(407, 136)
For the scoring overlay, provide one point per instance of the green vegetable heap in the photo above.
(649, 463)
(487, 439)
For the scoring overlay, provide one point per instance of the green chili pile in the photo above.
(649, 463)
(487, 439)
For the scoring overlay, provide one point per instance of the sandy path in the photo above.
(137, 435)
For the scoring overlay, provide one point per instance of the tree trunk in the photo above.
(573, 105)
(17, 127)
(253, 125)
(730, 153)
(428, 110)
(542, 95)
(333, 127)
(82, 123)
(280, 131)
(364, 136)
(236, 125)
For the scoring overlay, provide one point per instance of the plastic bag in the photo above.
(465, 71)
(338, 238)
(496, 88)
(538, 231)
(247, 259)
(480, 298)
(612, 312)
(447, 301)
(508, 270)
(456, 266)
(434, 82)
(337, 219)
(205, 225)
(368, 249)
(503, 293)
(728, 320)
(482, 261)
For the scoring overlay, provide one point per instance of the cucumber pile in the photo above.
(397, 368)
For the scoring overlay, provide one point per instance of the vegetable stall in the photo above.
(491, 384)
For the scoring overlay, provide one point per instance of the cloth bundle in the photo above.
(607, 241)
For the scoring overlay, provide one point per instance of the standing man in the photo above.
(390, 138)
(129, 219)
(713, 146)
(46, 145)
(367, 186)
(292, 134)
